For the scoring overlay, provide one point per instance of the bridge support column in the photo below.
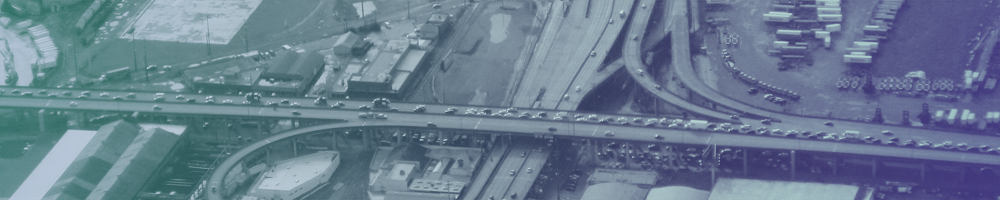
(961, 173)
(923, 171)
(836, 164)
(792, 155)
(295, 148)
(874, 167)
(365, 136)
(41, 121)
(745, 169)
(399, 136)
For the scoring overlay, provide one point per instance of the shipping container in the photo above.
(833, 27)
(826, 42)
(777, 18)
(828, 10)
(780, 44)
(821, 34)
(857, 59)
(829, 18)
(951, 116)
(939, 116)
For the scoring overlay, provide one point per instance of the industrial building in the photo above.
(412, 171)
(733, 189)
(289, 73)
(388, 71)
(292, 178)
(110, 163)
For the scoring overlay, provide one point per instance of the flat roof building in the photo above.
(389, 71)
(290, 72)
(613, 190)
(292, 178)
(644, 179)
(739, 189)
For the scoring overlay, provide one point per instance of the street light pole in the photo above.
(145, 61)
(208, 37)
(135, 57)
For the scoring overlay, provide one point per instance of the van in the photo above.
(621, 13)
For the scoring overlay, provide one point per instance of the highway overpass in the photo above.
(528, 126)
(685, 72)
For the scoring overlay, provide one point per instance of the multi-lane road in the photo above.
(510, 125)
(685, 72)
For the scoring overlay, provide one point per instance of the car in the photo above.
(27, 94)
(43, 92)
(105, 94)
(209, 97)
(53, 95)
(67, 93)
(635, 37)
(82, 96)
(364, 107)
(130, 95)
(339, 104)
(209, 100)
(436, 6)
(72, 103)
(271, 103)
(179, 97)
(320, 101)
(611, 21)
(420, 109)
(381, 116)
(552, 128)
(643, 6)
(87, 93)
(157, 107)
(227, 101)
(593, 53)
(431, 124)
(512, 172)
(295, 104)
(658, 137)
(621, 13)
(119, 98)
(294, 112)
(158, 99)
(150, 67)
(609, 133)
(191, 100)
(285, 101)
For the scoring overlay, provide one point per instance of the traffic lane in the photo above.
(525, 180)
(502, 181)
(553, 79)
(633, 62)
(578, 60)
(303, 102)
(590, 66)
(801, 123)
(931, 136)
(530, 126)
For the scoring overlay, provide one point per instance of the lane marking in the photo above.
(595, 131)
(477, 123)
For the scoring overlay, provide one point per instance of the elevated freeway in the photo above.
(554, 69)
(632, 56)
(487, 124)
(681, 62)
(527, 126)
